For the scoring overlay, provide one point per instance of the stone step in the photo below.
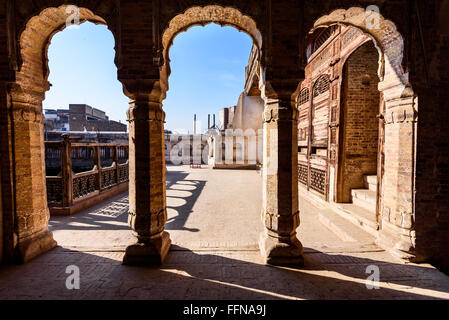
(364, 198)
(370, 182)
(344, 229)
(359, 216)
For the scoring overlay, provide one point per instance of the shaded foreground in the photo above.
(214, 222)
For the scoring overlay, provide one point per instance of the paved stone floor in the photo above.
(214, 223)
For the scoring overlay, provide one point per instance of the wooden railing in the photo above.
(68, 192)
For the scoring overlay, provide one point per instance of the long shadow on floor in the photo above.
(190, 275)
(100, 216)
(185, 192)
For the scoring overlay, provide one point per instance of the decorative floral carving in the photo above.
(27, 114)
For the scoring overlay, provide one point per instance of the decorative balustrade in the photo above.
(303, 173)
(312, 178)
(108, 177)
(68, 192)
(123, 172)
(84, 183)
(318, 180)
(54, 189)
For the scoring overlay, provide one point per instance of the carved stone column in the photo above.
(31, 214)
(147, 202)
(67, 173)
(117, 169)
(278, 242)
(97, 163)
(397, 230)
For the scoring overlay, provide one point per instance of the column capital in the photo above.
(401, 110)
(281, 89)
(144, 110)
(26, 113)
(146, 100)
(142, 89)
(276, 113)
(394, 88)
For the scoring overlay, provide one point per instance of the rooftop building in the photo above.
(81, 117)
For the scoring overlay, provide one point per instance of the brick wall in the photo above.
(432, 150)
(105, 125)
(360, 127)
(78, 120)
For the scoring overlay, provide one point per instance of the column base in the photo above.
(278, 251)
(400, 248)
(35, 246)
(152, 252)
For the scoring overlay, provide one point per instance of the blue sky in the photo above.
(207, 64)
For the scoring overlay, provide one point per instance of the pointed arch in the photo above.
(35, 39)
(389, 42)
(201, 16)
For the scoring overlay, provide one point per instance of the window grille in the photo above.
(304, 96)
(321, 86)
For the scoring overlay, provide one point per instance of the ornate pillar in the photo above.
(280, 213)
(31, 236)
(67, 173)
(6, 168)
(96, 150)
(397, 210)
(117, 169)
(147, 202)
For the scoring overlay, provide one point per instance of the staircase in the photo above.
(366, 198)
(362, 210)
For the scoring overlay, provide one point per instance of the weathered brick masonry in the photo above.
(412, 40)
(360, 124)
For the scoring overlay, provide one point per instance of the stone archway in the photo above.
(201, 16)
(396, 207)
(36, 38)
(387, 39)
(278, 243)
(29, 221)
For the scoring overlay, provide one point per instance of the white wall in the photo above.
(248, 114)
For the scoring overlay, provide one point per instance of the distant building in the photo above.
(225, 118)
(56, 120)
(81, 117)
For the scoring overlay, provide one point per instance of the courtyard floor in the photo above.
(214, 223)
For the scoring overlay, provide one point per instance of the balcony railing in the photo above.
(68, 192)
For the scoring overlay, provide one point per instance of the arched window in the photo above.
(304, 96)
(318, 38)
(321, 85)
